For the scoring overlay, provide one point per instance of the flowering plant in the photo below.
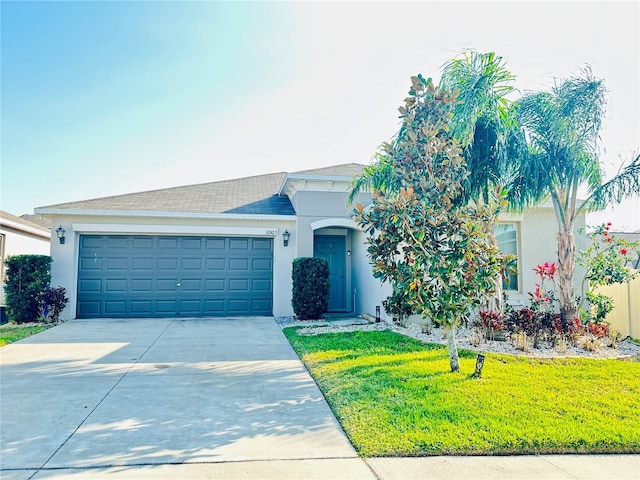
(540, 298)
(606, 262)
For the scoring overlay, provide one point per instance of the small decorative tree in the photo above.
(424, 237)
(310, 297)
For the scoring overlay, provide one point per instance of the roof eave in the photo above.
(147, 214)
(317, 178)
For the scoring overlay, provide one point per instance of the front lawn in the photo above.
(12, 332)
(394, 395)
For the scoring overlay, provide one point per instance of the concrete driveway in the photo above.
(143, 395)
(204, 399)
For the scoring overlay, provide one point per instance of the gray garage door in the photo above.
(166, 276)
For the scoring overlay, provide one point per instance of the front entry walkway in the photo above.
(95, 394)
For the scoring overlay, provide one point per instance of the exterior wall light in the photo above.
(60, 232)
(285, 237)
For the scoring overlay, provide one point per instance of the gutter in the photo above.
(149, 214)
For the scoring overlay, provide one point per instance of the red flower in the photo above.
(608, 224)
(609, 239)
(623, 251)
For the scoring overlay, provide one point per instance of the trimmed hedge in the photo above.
(28, 277)
(310, 287)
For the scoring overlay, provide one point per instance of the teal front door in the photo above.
(333, 249)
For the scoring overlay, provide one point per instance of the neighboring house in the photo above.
(18, 237)
(226, 248)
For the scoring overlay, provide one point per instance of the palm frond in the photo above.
(624, 185)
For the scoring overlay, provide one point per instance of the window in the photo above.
(507, 237)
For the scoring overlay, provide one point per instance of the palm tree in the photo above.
(483, 120)
(484, 124)
(562, 132)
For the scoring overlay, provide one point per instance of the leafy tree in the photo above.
(562, 130)
(424, 236)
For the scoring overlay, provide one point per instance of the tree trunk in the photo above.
(453, 349)
(566, 289)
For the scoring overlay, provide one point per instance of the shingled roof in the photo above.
(251, 195)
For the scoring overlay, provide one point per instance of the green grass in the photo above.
(396, 396)
(12, 332)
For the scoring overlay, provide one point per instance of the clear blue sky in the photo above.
(103, 98)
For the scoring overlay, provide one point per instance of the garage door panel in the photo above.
(263, 304)
(116, 285)
(167, 243)
(142, 243)
(117, 263)
(118, 242)
(190, 307)
(214, 285)
(89, 308)
(115, 307)
(238, 284)
(170, 263)
(216, 243)
(90, 263)
(167, 284)
(92, 241)
(239, 305)
(143, 264)
(239, 264)
(261, 264)
(215, 264)
(142, 285)
(192, 243)
(214, 307)
(264, 244)
(162, 276)
(191, 263)
(261, 285)
(90, 285)
(166, 306)
(142, 307)
(239, 243)
(191, 284)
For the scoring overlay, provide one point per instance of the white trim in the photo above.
(334, 222)
(126, 229)
(125, 213)
(314, 178)
(41, 232)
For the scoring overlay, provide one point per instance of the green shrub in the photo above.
(28, 277)
(310, 287)
(396, 305)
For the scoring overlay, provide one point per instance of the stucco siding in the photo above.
(537, 244)
(369, 291)
(64, 270)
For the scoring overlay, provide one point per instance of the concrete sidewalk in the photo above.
(202, 399)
